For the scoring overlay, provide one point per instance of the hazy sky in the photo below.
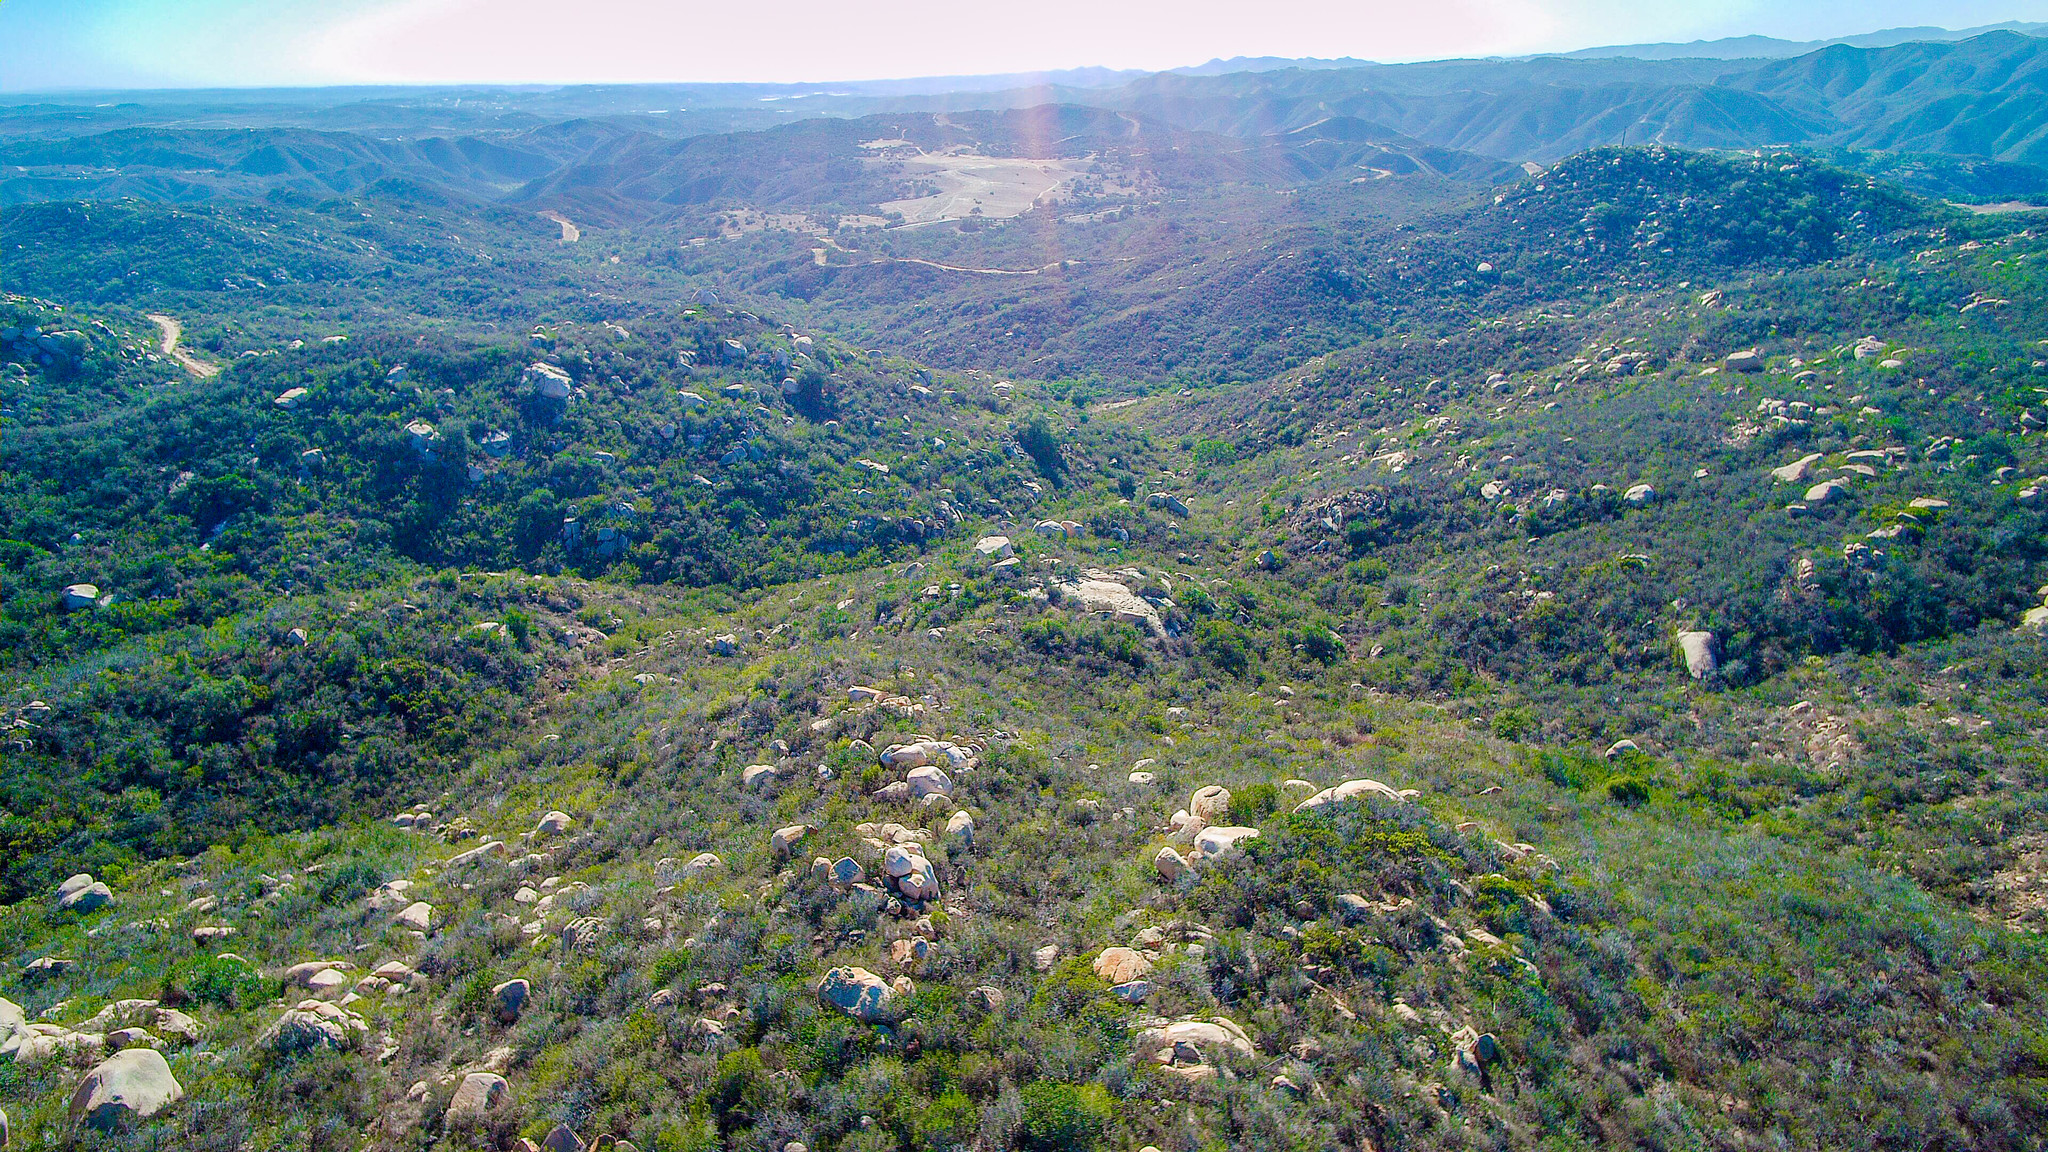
(140, 43)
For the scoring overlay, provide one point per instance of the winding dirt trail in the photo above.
(172, 331)
(570, 232)
(818, 257)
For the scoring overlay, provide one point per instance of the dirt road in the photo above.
(172, 330)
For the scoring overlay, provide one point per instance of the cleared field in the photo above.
(993, 187)
(2001, 209)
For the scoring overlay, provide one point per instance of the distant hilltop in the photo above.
(1220, 67)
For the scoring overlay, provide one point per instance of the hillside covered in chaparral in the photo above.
(1482, 605)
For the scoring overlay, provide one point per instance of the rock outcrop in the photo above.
(1097, 592)
(313, 1024)
(1797, 470)
(82, 893)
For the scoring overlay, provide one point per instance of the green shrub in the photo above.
(345, 882)
(1514, 723)
(949, 1121)
(668, 966)
(739, 1089)
(1063, 1117)
(1225, 645)
(475, 996)
(211, 980)
(1250, 803)
(1627, 790)
(1214, 453)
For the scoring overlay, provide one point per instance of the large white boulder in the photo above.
(929, 780)
(1215, 841)
(915, 755)
(960, 829)
(1211, 1033)
(12, 1019)
(1349, 790)
(909, 873)
(1209, 804)
(490, 847)
(1095, 592)
(942, 753)
(1122, 965)
(994, 547)
(1827, 491)
(77, 596)
(922, 883)
(1797, 470)
(301, 975)
(329, 983)
(548, 381)
(1698, 648)
(860, 994)
(128, 1086)
(474, 1098)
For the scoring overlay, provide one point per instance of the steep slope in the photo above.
(1983, 97)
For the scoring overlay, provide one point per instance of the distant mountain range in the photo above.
(1983, 97)
(1972, 113)
(1767, 47)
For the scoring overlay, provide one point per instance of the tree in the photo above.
(1042, 444)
